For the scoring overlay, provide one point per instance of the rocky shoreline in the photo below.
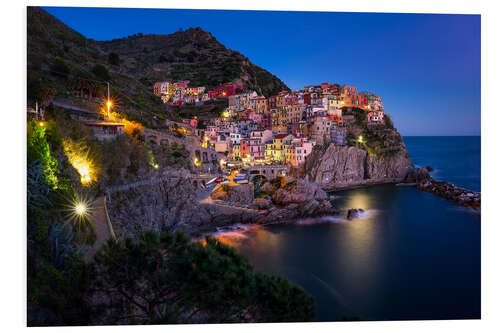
(173, 204)
(425, 182)
(293, 198)
(345, 168)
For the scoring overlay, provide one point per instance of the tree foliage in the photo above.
(59, 68)
(40, 91)
(101, 72)
(57, 277)
(39, 150)
(166, 279)
(388, 121)
(114, 59)
(359, 116)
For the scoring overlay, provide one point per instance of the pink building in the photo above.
(302, 151)
(191, 122)
(211, 131)
(257, 149)
(225, 90)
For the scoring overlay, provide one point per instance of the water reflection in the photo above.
(263, 242)
(398, 261)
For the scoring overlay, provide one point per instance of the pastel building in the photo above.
(297, 152)
(235, 137)
(375, 116)
(259, 104)
(319, 129)
(226, 89)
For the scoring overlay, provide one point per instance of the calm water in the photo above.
(413, 255)
(457, 159)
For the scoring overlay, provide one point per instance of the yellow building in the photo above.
(269, 156)
(278, 149)
(294, 113)
(235, 153)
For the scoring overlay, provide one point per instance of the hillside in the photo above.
(66, 66)
(193, 55)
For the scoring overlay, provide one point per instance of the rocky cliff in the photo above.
(173, 205)
(343, 167)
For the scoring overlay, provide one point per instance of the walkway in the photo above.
(102, 228)
(125, 187)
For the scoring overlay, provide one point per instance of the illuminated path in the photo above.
(102, 228)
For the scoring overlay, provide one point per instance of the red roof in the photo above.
(280, 136)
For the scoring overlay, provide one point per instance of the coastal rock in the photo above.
(261, 203)
(451, 192)
(394, 168)
(173, 205)
(354, 213)
(340, 167)
(168, 205)
(268, 187)
(337, 166)
(298, 191)
(418, 176)
(303, 199)
(242, 194)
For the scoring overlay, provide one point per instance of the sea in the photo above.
(411, 255)
(455, 159)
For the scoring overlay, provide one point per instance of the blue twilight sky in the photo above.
(427, 68)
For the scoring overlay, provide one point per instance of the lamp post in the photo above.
(108, 104)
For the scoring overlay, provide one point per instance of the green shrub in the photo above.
(39, 151)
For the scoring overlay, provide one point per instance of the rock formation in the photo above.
(446, 190)
(173, 205)
(354, 213)
(344, 167)
(242, 193)
(300, 198)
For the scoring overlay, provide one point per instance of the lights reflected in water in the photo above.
(360, 247)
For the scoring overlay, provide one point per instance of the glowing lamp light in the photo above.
(84, 172)
(41, 123)
(156, 166)
(109, 104)
(85, 179)
(80, 209)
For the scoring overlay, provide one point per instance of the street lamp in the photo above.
(108, 104)
(80, 209)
